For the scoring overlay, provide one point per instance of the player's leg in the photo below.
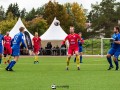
(0, 58)
(80, 51)
(15, 53)
(115, 58)
(110, 53)
(35, 55)
(1, 50)
(70, 52)
(9, 58)
(12, 63)
(5, 55)
(36, 58)
(77, 59)
(5, 58)
(81, 57)
(9, 55)
(68, 61)
(74, 59)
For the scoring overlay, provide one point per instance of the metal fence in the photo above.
(90, 47)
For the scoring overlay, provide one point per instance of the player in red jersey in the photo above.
(7, 47)
(36, 41)
(73, 47)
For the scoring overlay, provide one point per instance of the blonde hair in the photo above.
(36, 33)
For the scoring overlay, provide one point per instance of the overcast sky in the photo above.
(29, 4)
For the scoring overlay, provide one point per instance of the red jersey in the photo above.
(36, 42)
(7, 41)
(73, 40)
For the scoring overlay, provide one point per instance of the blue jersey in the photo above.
(1, 39)
(116, 37)
(17, 40)
(79, 43)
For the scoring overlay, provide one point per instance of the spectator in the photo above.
(57, 50)
(54, 51)
(49, 48)
(63, 49)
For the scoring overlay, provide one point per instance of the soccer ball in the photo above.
(53, 86)
(57, 23)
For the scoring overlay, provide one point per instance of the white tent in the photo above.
(54, 33)
(15, 29)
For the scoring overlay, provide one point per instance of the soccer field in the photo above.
(51, 70)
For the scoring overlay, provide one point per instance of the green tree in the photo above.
(8, 24)
(14, 8)
(23, 13)
(31, 15)
(104, 17)
(2, 13)
(38, 24)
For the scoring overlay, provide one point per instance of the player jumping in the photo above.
(7, 47)
(1, 47)
(80, 48)
(17, 40)
(73, 47)
(115, 49)
(36, 41)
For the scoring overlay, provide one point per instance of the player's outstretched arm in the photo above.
(63, 42)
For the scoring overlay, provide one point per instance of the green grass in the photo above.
(51, 70)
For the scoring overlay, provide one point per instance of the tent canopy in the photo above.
(15, 29)
(54, 32)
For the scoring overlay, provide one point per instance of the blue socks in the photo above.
(110, 61)
(116, 63)
(81, 59)
(75, 59)
(0, 60)
(12, 63)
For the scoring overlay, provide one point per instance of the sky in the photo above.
(29, 4)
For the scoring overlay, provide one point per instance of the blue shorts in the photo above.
(80, 49)
(115, 52)
(15, 51)
(1, 49)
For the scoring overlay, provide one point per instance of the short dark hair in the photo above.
(117, 28)
(72, 27)
(21, 29)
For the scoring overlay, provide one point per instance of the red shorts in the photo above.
(36, 50)
(7, 50)
(72, 50)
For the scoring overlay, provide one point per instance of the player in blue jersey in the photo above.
(80, 48)
(115, 49)
(1, 46)
(16, 41)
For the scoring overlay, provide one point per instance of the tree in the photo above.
(49, 12)
(14, 8)
(2, 13)
(104, 17)
(78, 16)
(40, 11)
(7, 25)
(31, 15)
(23, 13)
(38, 24)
